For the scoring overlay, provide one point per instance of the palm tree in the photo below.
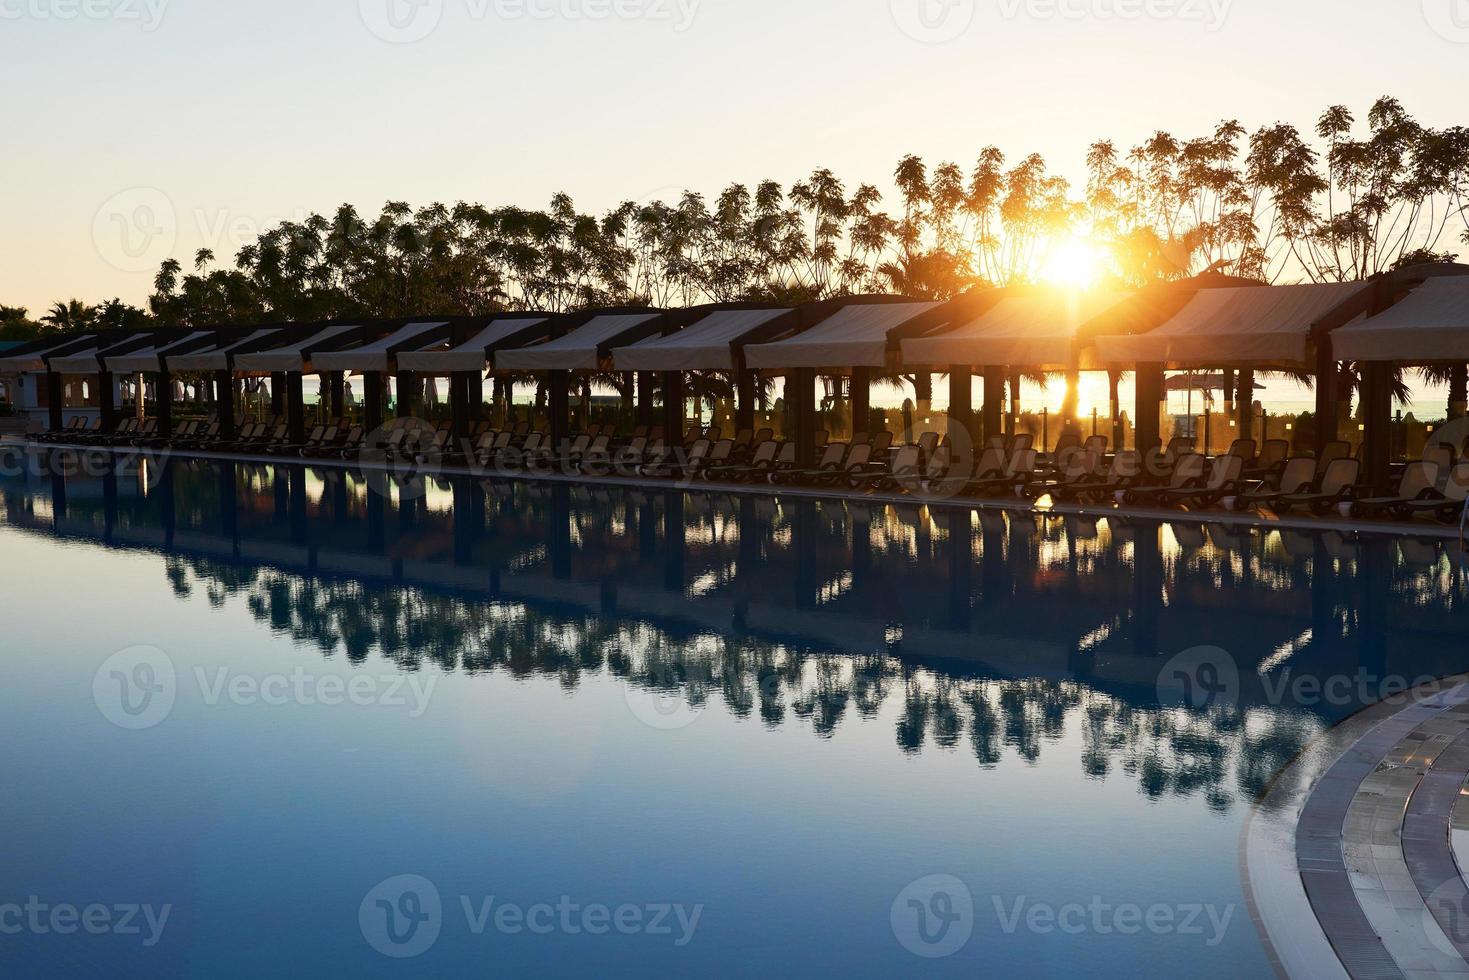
(70, 316)
(1456, 376)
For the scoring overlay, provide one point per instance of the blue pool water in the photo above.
(343, 727)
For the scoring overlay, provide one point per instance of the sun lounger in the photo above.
(1225, 479)
(1334, 488)
(1419, 483)
(1298, 476)
(1448, 505)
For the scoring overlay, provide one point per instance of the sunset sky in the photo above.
(218, 119)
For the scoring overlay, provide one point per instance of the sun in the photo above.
(1074, 263)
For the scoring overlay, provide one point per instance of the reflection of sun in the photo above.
(1075, 263)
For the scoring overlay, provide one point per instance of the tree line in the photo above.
(1349, 198)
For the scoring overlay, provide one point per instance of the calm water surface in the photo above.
(255, 695)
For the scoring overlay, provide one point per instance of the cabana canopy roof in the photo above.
(1040, 331)
(149, 359)
(87, 360)
(475, 353)
(711, 344)
(295, 356)
(584, 348)
(1258, 326)
(856, 336)
(216, 357)
(378, 356)
(32, 357)
(1432, 324)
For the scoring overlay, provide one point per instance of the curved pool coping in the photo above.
(1351, 859)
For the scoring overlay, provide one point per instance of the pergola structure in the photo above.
(463, 356)
(1292, 328)
(856, 335)
(1413, 316)
(584, 342)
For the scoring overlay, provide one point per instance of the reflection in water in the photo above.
(998, 634)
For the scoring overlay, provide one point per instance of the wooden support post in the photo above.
(861, 385)
(1150, 394)
(407, 392)
(224, 403)
(801, 401)
(994, 403)
(673, 396)
(164, 381)
(745, 399)
(961, 400)
(558, 391)
(1327, 423)
(1377, 417)
(336, 394)
(459, 406)
(474, 390)
(55, 396)
(106, 409)
(647, 381)
(278, 394)
(295, 408)
(372, 401)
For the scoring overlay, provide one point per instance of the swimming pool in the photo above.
(307, 723)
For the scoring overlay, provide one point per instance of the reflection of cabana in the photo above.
(715, 342)
(464, 355)
(375, 360)
(583, 343)
(856, 334)
(1279, 327)
(288, 364)
(1041, 331)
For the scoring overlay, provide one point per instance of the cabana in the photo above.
(149, 360)
(856, 335)
(464, 361)
(214, 357)
(375, 360)
(1250, 328)
(583, 343)
(714, 340)
(88, 361)
(1430, 326)
(1036, 330)
(288, 364)
(30, 359)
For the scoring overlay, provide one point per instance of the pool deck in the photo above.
(1353, 858)
(1252, 519)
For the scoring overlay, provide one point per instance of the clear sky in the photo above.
(199, 122)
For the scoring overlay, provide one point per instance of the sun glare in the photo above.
(1075, 264)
